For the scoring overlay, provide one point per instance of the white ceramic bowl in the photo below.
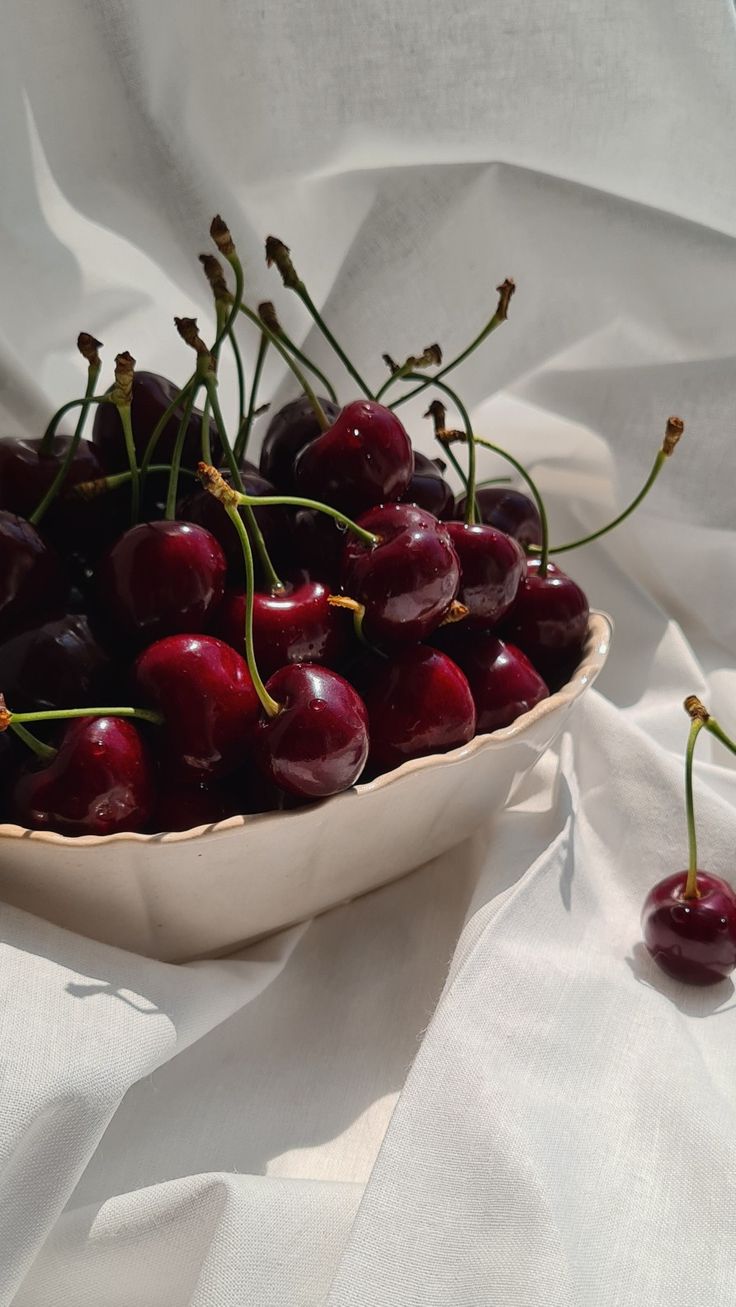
(207, 890)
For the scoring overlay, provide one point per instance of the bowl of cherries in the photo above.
(234, 695)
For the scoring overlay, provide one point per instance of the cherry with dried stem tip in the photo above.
(187, 328)
(673, 432)
(505, 291)
(430, 357)
(88, 348)
(278, 254)
(17, 722)
(699, 718)
(223, 303)
(121, 395)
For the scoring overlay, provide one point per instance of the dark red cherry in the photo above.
(32, 583)
(365, 458)
(57, 665)
(418, 702)
(26, 474)
(428, 488)
(492, 567)
(288, 432)
(274, 522)
(509, 511)
(549, 621)
(99, 782)
(210, 708)
(503, 682)
(161, 578)
(692, 939)
(317, 744)
(152, 395)
(298, 626)
(182, 805)
(406, 582)
(318, 543)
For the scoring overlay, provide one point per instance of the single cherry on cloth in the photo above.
(59, 664)
(152, 395)
(692, 939)
(408, 581)
(289, 430)
(32, 582)
(273, 521)
(509, 511)
(100, 781)
(492, 567)
(364, 458)
(160, 578)
(503, 682)
(428, 488)
(419, 702)
(298, 625)
(549, 622)
(316, 744)
(205, 693)
(27, 471)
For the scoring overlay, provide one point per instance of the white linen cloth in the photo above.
(561, 1116)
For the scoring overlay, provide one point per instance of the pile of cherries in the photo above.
(279, 631)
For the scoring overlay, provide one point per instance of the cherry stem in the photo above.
(357, 612)
(172, 493)
(273, 581)
(319, 412)
(269, 704)
(42, 508)
(241, 379)
(163, 420)
(93, 489)
(205, 442)
(241, 443)
(43, 751)
(135, 480)
(494, 481)
(47, 440)
(468, 427)
(278, 253)
(308, 363)
(691, 884)
(294, 501)
(67, 714)
(719, 734)
(505, 291)
(672, 435)
(542, 549)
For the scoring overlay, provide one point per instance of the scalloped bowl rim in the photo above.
(600, 631)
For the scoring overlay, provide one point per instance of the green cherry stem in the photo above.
(273, 339)
(158, 430)
(294, 501)
(699, 718)
(432, 357)
(505, 291)
(67, 714)
(93, 489)
(243, 436)
(470, 504)
(230, 499)
(172, 493)
(88, 347)
(675, 428)
(121, 395)
(43, 751)
(267, 314)
(47, 440)
(277, 253)
(205, 442)
(241, 377)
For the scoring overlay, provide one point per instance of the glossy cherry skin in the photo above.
(418, 702)
(274, 522)
(492, 567)
(428, 488)
(161, 578)
(317, 744)
(503, 682)
(549, 621)
(407, 581)
(32, 583)
(26, 474)
(152, 395)
(365, 458)
(509, 511)
(99, 782)
(318, 543)
(693, 940)
(210, 708)
(298, 626)
(289, 430)
(57, 665)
